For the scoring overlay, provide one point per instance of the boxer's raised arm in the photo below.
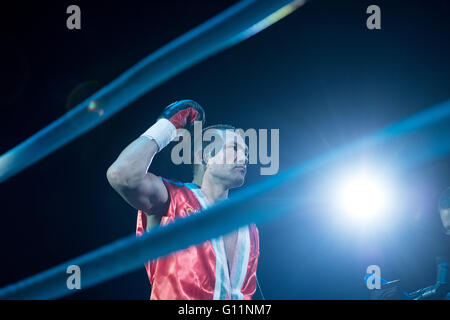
(129, 176)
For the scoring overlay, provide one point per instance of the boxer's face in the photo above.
(445, 217)
(229, 164)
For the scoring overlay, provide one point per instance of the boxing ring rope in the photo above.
(228, 28)
(249, 205)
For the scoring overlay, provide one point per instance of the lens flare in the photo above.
(363, 197)
(92, 105)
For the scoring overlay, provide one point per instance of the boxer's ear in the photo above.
(198, 157)
(207, 155)
(211, 151)
(213, 147)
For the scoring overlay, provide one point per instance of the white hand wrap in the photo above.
(163, 131)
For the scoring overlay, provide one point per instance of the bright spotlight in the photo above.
(363, 197)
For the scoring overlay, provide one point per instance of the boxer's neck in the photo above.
(213, 190)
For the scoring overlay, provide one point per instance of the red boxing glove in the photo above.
(178, 115)
(182, 114)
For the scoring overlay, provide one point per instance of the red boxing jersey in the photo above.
(201, 272)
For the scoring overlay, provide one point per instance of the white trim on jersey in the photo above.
(222, 281)
(227, 286)
(240, 263)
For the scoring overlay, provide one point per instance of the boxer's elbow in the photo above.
(147, 193)
(113, 175)
(121, 178)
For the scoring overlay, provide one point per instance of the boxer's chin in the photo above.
(238, 181)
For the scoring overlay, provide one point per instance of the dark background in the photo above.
(319, 75)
